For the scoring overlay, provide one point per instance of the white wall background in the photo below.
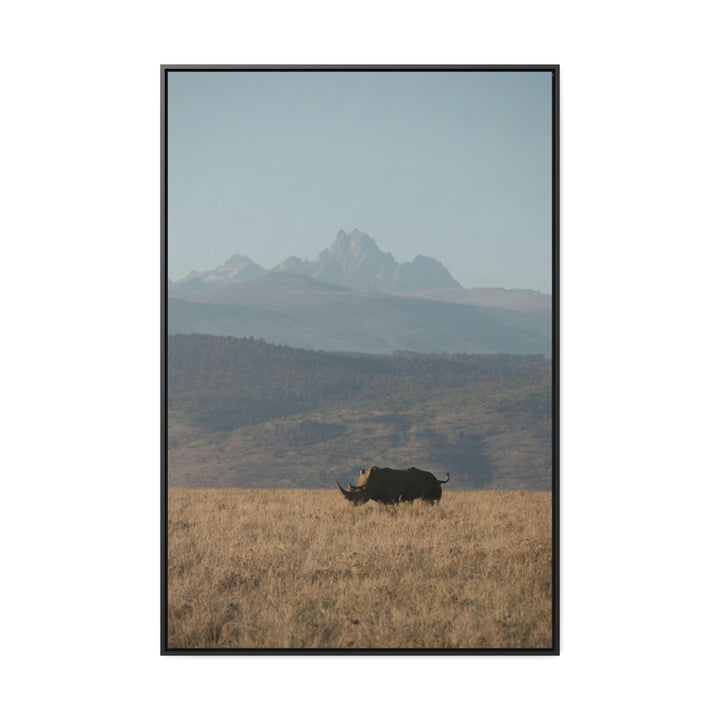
(79, 142)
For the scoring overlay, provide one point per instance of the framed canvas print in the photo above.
(360, 359)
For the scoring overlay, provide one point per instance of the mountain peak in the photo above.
(360, 241)
(237, 262)
(355, 260)
(237, 268)
(424, 273)
(354, 243)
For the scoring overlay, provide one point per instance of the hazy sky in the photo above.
(455, 165)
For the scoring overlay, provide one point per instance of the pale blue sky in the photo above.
(455, 165)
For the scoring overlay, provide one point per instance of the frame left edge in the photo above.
(556, 356)
(163, 361)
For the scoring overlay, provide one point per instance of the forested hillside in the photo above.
(245, 413)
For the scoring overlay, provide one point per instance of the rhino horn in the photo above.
(356, 495)
(347, 493)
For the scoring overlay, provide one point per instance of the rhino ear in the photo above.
(362, 471)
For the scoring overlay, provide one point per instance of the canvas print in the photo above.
(359, 359)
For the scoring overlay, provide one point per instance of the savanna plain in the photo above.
(294, 568)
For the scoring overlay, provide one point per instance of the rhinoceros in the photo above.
(388, 486)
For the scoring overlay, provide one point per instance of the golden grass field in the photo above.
(306, 569)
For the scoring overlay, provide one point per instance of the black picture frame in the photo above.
(554, 649)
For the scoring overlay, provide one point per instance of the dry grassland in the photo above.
(305, 569)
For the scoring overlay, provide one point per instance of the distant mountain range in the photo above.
(356, 298)
(353, 261)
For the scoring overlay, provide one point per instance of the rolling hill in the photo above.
(247, 413)
(290, 309)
